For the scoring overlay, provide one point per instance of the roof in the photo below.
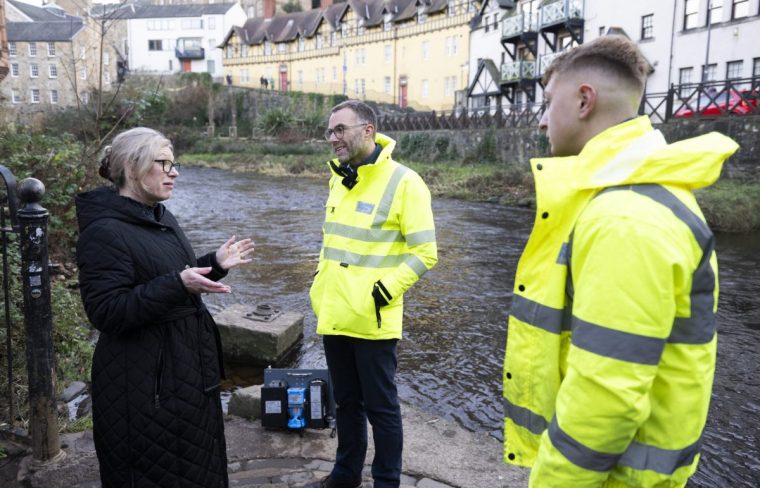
(334, 13)
(46, 24)
(168, 11)
(403, 9)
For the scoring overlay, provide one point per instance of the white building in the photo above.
(163, 39)
(682, 42)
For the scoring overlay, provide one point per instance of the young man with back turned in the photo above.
(612, 335)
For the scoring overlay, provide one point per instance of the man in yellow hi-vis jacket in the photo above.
(612, 335)
(379, 239)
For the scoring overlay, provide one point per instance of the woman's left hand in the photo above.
(233, 253)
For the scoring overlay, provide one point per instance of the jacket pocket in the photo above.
(348, 304)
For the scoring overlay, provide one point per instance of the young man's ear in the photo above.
(587, 100)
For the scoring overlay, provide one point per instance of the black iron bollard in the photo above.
(38, 318)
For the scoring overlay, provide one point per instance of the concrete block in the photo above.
(73, 390)
(254, 342)
(246, 403)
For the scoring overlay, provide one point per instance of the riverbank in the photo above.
(730, 206)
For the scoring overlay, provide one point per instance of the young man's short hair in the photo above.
(612, 54)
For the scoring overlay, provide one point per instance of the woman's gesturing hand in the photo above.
(196, 283)
(232, 253)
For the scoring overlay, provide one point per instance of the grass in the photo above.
(730, 206)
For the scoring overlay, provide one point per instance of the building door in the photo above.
(283, 77)
(402, 87)
(186, 65)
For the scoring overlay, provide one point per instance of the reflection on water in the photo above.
(454, 331)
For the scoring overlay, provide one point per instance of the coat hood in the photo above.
(634, 152)
(104, 202)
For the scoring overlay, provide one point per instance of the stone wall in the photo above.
(521, 144)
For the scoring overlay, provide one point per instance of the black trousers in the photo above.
(363, 379)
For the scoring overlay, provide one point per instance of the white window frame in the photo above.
(12, 49)
(388, 54)
(15, 96)
(83, 73)
(51, 49)
(425, 89)
(15, 70)
(34, 95)
(34, 70)
(54, 97)
(425, 50)
(106, 59)
(32, 49)
(52, 71)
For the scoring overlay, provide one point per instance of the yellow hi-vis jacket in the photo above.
(380, 230)
(608, 370)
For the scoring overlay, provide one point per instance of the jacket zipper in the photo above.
(159, 374)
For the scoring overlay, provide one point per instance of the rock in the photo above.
(73, 390)
(255, 342)
(85, 407)
(246, 403)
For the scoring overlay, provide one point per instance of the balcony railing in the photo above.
(545, 60)
(560, 11)
(190, 53)
(518, 24)
(519, 70)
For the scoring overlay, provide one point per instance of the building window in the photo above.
(14, 70)
(192, 24)
(452, 6)
(282, 47)
(387, 85)
(690, 13)
(388, 54)
(85, 98)
(343, 29)
(335, 73)
(106, 59)
(421, 15)
(319, 41)
(32, 49)
(363, 86)
(83, 52)
(301, 44)
(34, 71)
(53, 71)
(211, 23)
(53, 96)
(756, 67)
(300, 77)
(83, 73)
(360, 27)
(734, 70)
(267, 48)
(35, 95)
(601, 30)
(647, 26)
(739, 9)
(333, 37)
(387, 22)
(449, 85)
(154, 45)
(171, 65)
(12, 49)
(451, 45)
(714, 11)
(425, 89)
(15, 96)
(486, 25)
(710, 72)
(685, 75)
(51, 49)
(425, 50)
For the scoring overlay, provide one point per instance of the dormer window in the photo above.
(421, 15)
(319, 41)
(452, 6)
(360, 27)
(267, 48)
(387, 21)
(343, 29)
(301, 44)
(333, 38)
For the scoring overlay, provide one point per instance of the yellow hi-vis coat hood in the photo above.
(608, 369)
(380, 230)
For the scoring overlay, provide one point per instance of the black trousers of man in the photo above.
(363, 380)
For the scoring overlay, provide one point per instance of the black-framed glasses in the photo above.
(167, 165)
(340, 130)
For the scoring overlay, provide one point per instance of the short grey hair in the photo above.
(361, 109)
(136, 148)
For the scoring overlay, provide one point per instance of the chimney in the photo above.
(269, 8)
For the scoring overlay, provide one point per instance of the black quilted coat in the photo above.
(156, 371)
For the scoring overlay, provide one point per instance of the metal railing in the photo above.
(518, 70)
(704, 100)
(561, 10)
(545, 60)
(511, 116)
(517, 24)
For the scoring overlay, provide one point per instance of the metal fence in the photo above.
(692, 100)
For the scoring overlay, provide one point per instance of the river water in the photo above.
(454, 331)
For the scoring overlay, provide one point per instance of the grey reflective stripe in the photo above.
(421, 237)
(367, 261)
(524, 417)
(362, 234)
(384, 207)
(616, 344)
(637, 455)
(416, 264)
(564, 253)
(549, 319)
(577, 453)
(699, 327)
(664, 461)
